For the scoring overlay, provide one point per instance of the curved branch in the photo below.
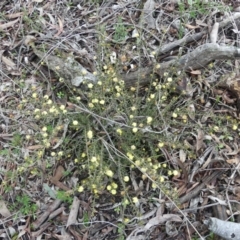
(196, 59)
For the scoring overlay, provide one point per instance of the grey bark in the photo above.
(227, 230)
(196, 59)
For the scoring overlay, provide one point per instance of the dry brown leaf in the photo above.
(76, 235)
(8, 24)
(34, 147)
(54, 205)
(28, 39)
(72, 219)
(233, 161)
(58, 175)
(196, 72)
(52, 19)
(64, 235)
(200, 138)
(227, 99)
(9, 62)
(191, 26)
(160, 219)
(60, 29)
(4, 210)
(200, 23)
(60, 184)
(14, 15)
(123, 58)
(182, 155)
(234, 152)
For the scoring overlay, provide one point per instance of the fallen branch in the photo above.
(72, 218)
(197, 189)
(72, 71)
(227, 230)
(46, 214)
(196, 59)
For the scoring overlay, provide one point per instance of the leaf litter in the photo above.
(74, 29)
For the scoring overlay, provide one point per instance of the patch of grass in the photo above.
(16, 140)
(64, 196)
(194, 8)
(120, 33)
(24, 205)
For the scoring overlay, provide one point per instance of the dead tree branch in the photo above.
(196, 59)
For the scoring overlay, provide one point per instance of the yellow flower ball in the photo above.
(133, 89)
(130, 156)
(154, 185)
(133, 147)
(114, 185)
(126, 179)
(90, 85)
(44, 129)
(135, 200)
(75, 122)
(60, 153)
(62, 107)
(125, 202)
(93, 159)
(135, 129)
(28, 137)
(134, 124)
(175, 172)
(91, 105)
(119, 131)
(152, 96)
(34, 95)
(160, 144)
(80, 189)
(149, 119)
(90, 134)
(44, 134)
(53, 154)
(161, 179)
(109, 173)
(113, 192)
